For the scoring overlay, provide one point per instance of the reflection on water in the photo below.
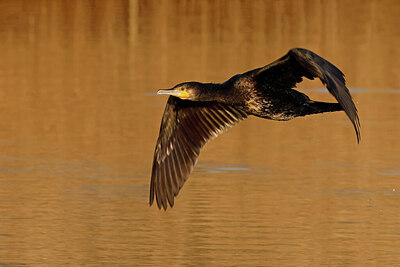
(79, 121)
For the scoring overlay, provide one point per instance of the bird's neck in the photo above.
(214, 92)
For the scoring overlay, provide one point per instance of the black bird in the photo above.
(197, 112)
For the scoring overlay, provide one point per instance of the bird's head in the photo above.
(188, 90)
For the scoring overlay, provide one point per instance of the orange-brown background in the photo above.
(79, 119)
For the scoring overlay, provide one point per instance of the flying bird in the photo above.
(198, 112)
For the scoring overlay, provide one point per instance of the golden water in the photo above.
(79, 121)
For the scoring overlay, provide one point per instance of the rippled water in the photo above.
(79, 121)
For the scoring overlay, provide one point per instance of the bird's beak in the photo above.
(174, 92)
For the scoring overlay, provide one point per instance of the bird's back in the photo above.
(266, 98)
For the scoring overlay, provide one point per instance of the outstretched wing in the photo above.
(185, 128)
(297, 63)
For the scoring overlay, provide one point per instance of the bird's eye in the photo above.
(182, 89)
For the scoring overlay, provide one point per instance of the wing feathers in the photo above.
(298, 62)
(334, 80)
(185, 128)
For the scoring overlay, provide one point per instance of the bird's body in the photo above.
(197, 112)
(266, 100)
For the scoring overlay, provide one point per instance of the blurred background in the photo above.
(79, 119)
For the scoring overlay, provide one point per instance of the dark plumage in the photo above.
(196, 113)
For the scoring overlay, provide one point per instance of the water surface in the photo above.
(79, 121)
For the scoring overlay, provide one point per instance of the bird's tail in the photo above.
(314, 107)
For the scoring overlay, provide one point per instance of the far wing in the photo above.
(297, 63)
(185, 128)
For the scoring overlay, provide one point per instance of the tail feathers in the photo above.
(314, 107)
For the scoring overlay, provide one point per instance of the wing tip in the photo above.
(357, 127)
(151, 196)
(334, 80)
(161, 202)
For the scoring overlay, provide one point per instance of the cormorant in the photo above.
(197, 112)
